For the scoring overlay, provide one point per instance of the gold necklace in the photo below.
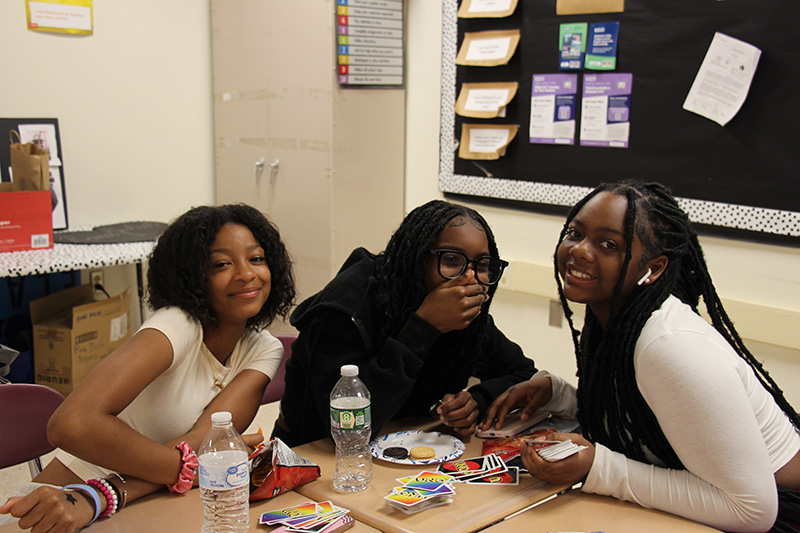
(209, 356)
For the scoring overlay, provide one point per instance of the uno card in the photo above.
(279, 515)
(509, 477)
(464, 467)
(405, 496)
(427, 481)
(340, 524)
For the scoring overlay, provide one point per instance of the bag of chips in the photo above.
(275, 469)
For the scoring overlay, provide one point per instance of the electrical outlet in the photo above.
(98, 278)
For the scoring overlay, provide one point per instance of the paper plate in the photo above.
(446, 447)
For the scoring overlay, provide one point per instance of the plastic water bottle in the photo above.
(351, 425)
(224, 478)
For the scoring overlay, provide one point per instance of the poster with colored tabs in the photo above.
(571, 45)
(601, 50)
(553, 105)
(485, 100)
(605, 113)
(488, 48)
(486, 8)
(485, 141)
(369, 42)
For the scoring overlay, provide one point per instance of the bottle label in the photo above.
(351, 419)
(222, 477)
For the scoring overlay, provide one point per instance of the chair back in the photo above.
(24, 411)
(274, 391)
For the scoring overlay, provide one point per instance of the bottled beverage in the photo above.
(224, 478)
(351, 425)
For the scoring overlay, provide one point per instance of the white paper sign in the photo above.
(486, 141)
(724, 79)
(483, 49)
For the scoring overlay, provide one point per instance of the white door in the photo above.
(273, 86)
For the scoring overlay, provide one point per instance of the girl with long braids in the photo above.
(676, 413)
(415, 320)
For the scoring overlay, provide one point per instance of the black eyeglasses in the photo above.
(451, 264)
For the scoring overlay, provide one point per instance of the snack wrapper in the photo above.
(275, 469)
(508, 448)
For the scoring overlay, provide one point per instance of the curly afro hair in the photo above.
(178, 266)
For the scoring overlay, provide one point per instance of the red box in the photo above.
(26, 221)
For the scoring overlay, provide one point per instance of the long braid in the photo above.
(400, 274)
(610, 406)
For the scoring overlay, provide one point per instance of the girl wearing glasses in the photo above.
(415, 320)
(676, 413)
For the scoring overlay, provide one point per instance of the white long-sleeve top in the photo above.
(724, 426)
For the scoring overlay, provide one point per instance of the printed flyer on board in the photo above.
(605, 113)
(553, 101)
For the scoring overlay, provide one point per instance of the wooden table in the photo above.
(576, 511)
(473, 507)
(168, 513)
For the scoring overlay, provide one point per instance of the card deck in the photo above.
(422, 491)
(340, 524)
(309, 517)
(556, 451)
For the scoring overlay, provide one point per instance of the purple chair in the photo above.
(24, 412)
(274, 391)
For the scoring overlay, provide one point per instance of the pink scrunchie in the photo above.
(188, 470)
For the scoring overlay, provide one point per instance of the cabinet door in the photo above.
(273, 84)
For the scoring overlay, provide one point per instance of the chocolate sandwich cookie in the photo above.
(396, 452)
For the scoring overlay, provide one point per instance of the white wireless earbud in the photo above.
(645, 278)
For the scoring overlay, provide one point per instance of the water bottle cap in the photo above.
(221, 417)
(349, 370)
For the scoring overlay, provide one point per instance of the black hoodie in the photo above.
(405, 374)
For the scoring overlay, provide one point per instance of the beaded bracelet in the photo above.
(122, 492)
(111, 499)
(92, 493)
(188, 469)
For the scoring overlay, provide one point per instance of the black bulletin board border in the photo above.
(739, 181)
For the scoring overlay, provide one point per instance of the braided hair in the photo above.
(400, 273)
(611, 409)
(177, 273)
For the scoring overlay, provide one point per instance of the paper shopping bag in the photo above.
(30, 165)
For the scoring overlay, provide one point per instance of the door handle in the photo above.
(273, 169)
(259, 168)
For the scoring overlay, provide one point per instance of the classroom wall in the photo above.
(134, 105)
(133, 100)
(748, 272)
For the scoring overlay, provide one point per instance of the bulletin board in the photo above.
(740, 180)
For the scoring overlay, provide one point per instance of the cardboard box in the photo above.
(72, 333)
(26, 221)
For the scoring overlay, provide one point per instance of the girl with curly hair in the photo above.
(415, 319)
(676, 413)
(217, 277)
